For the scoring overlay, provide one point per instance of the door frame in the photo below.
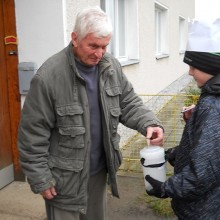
(14, 98)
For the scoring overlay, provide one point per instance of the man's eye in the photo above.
(93, 46)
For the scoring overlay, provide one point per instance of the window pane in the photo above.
(158, 30)
(161, 29)
(124, 16)
(181, 34)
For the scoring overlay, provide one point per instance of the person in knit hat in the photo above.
(195, 185)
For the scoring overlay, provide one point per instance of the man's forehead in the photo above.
(92, 39)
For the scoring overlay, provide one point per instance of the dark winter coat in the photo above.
(195, 185)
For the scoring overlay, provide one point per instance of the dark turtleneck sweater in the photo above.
(97, 154)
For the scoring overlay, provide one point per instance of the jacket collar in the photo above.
(103, 66)
(212, 86)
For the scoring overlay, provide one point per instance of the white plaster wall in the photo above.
(44, 27)
(40, 29)
(71, 8)
(150, 75)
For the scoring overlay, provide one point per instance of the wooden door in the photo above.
(9, 94)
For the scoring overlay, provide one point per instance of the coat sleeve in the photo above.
(135, 114)
(202, 173)
(37, 120)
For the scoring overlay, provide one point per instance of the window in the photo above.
(125, 41)
(182, 34)
(161, 26)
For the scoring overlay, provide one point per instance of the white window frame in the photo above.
(161, 31)
(125, 40)
(182, 34)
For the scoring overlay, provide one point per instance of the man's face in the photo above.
(90, 49)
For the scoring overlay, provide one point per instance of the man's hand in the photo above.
(155, 135)
(157, 190)
(49, 193)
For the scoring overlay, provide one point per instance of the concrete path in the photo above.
(17, 202)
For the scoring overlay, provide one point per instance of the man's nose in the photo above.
(99, 52)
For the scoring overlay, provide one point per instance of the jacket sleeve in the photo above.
(34, 132)
(135, 114)
(202, 174)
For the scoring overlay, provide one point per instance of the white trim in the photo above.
(6, 175)
(161, 56)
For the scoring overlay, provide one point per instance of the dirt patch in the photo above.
(131, 204)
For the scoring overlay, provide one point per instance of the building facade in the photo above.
(149, 41)
(149, 36)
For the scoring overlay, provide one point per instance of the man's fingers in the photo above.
(49, 193)
(53, 191)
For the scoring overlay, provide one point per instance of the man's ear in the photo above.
(74, 39)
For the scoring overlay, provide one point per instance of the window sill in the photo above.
(129, 62)
(161, 56)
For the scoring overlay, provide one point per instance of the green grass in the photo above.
(161, 207)
(193, 95)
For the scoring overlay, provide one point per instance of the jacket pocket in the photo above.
(117, 153)
(71, 142)
(69, 115)
(113, 91)
(67, 174)
(114, 119)
(113, 96)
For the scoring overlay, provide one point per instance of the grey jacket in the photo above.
(54, 131)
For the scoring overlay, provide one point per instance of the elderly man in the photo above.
(68, 140)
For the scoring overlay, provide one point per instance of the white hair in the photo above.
(92, 20)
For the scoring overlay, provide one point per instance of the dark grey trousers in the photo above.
(96, 209)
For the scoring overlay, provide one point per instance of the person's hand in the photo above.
(49, 193)
(155, 135)
(187, 112)
(170, 155)
(157, 190)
